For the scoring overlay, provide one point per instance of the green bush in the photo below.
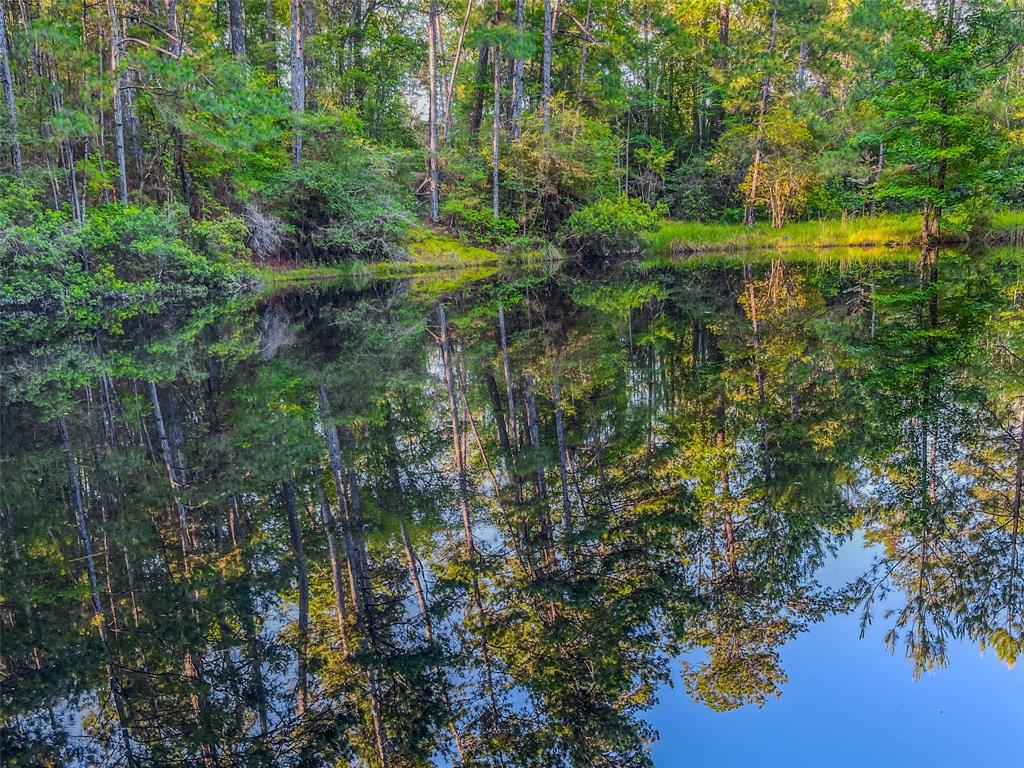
(469, 218)
(342, 211)
(549, 173)
(124, 256)
(612, 225)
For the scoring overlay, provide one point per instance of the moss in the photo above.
(427, 247)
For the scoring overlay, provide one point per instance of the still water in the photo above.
(693, 514)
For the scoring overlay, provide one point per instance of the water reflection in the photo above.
(406, 522)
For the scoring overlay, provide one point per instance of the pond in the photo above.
(708, 513)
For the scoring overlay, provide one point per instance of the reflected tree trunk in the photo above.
(302, 633)
(97, 604)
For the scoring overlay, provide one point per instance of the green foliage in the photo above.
(470, 218)
(550, 173)
(612, 225)
(337, 211)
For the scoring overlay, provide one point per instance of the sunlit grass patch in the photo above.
(680, 237)
(427, 247)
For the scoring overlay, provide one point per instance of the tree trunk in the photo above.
(298, 74)
(496, 128)
(455, 69)
(513, 437)
(295, 535)
(236, 28)
(12, 110)
(546, 68)
(97, 603)
(417, 584)
(567, 529)
(476, 115)
(358, 565)
(518, 72)
(457, 441)
(878, 176)
(330, 526)
(721, 64)
(762, 110)
(584, 45)
(115, 65)
(175, 476)
(433, 181)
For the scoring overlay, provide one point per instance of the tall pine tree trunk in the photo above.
(496, 127)
(297, 70)
(762, 109)
(8, 82)
(236, 28)
(115, 71)
(433, 180)
(546, 67)
(518, 71)
(97, 603)
(302, 584)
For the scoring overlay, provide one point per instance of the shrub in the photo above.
(551, 173)
(612, 225)
(340, 211)
(470, 218)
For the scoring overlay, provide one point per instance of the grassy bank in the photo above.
(684, 237)
(427, 251)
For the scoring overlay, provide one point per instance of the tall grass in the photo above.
(694, 237)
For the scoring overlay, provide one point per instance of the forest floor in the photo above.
(684, 237)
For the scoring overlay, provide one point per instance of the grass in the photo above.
(430, 248)
(693, 237)
(684, 237)
(433, 256)
(838, 256)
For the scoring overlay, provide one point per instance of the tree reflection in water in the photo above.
(388, 525)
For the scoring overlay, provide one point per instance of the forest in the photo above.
(402, 384)
(155, 145)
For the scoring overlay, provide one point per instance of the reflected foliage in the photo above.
(372, 524)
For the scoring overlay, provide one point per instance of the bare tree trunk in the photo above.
(355, 554)
(12, 110)
(174, 475)
(584, 46)
(295, 534)
(499, 415)
(298, 74)
(533, 427)
(457, 441)
(115, 64)
(762, 110)
(496, 128)
(270, 35)
(546, 68)
(417, 584)
(878, 176)
(518, 71)
(508, 377)
(433, 181)
(801, 67)
(332, 552)
(236, 28)
(721, 64)
(455, 70)
(567, 529)
(476, 115)
(97, 603)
